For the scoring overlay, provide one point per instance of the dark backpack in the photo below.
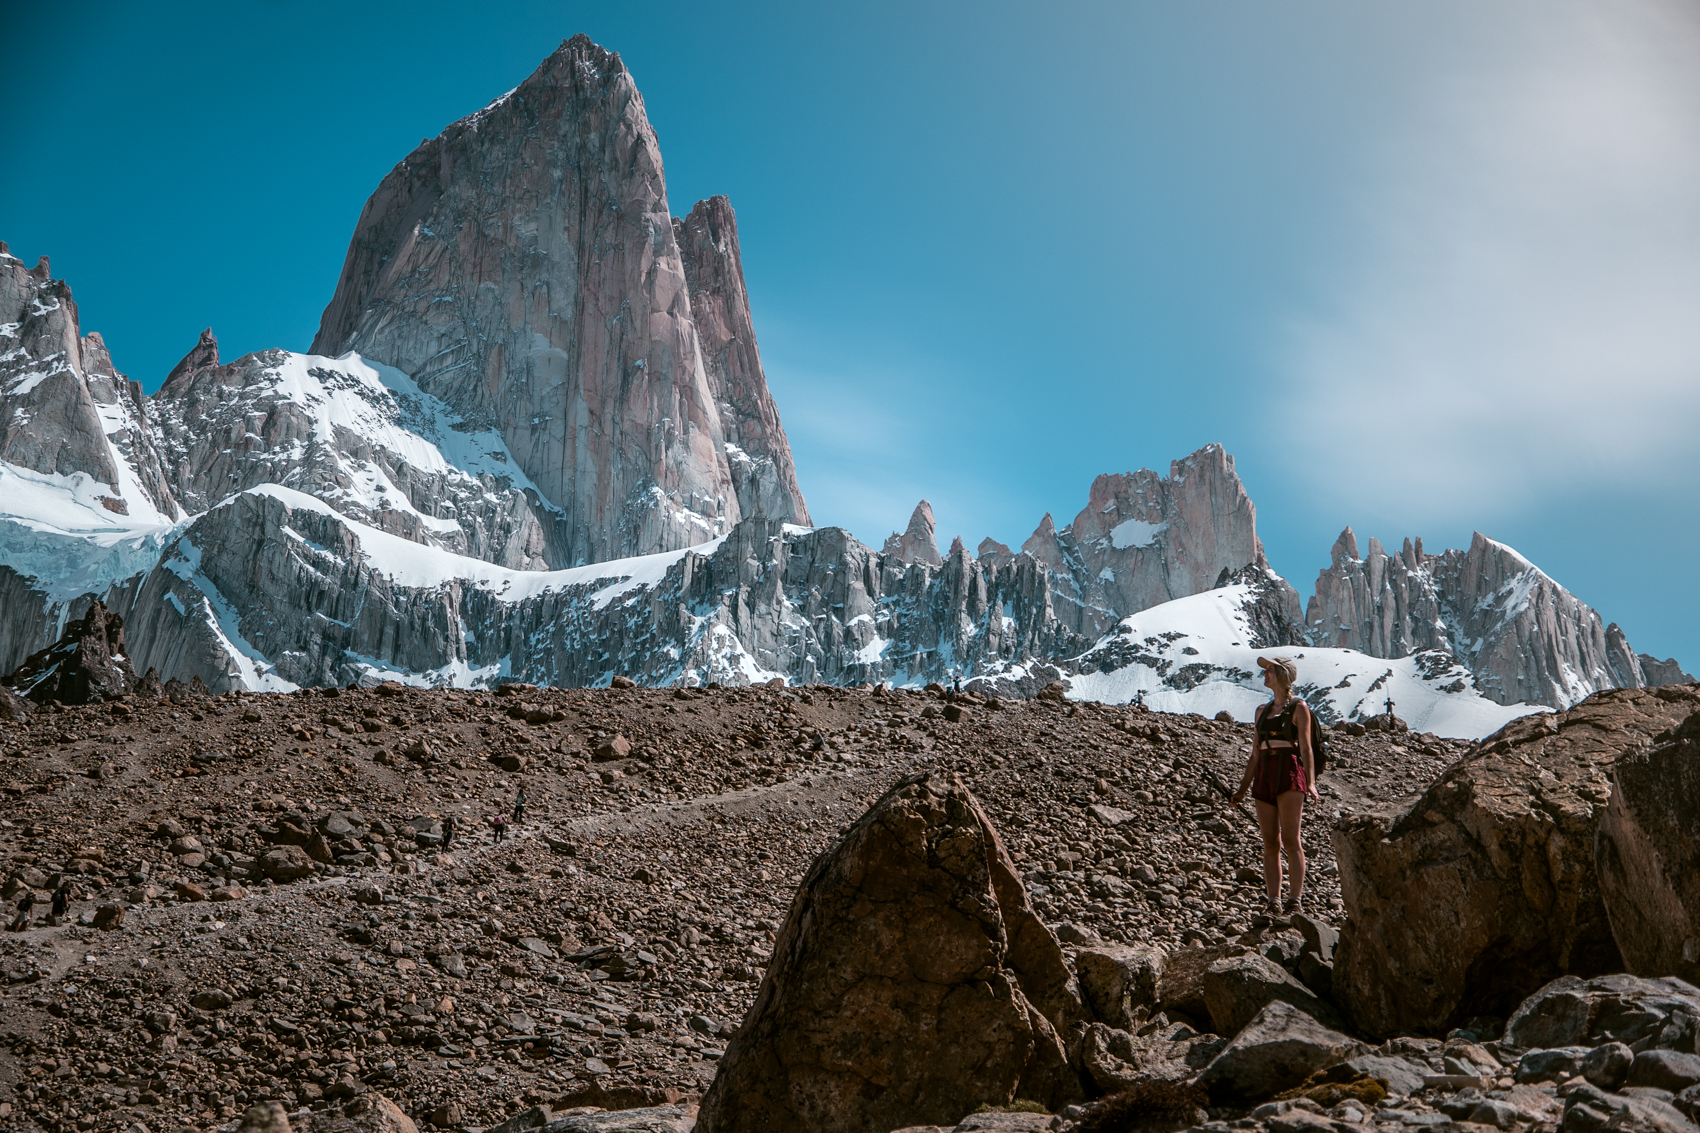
(1318, 738)
(1318, 743)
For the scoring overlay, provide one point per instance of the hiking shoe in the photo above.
(1291, 907)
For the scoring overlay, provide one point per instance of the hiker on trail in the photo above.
(519, 807)
(22, 920)
(448, 830)
(1280, 774)
(499, 824)
(62, 899)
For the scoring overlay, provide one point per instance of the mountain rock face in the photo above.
(359, 436)
(535, 441)
(760, 457)
(1648, 858)
(1524, 638)
(1144, 539)
(310, 577)
(275, 588)
(1654, 672)
(65, 412)
(83, 496)
(917, 544)
(522, 267)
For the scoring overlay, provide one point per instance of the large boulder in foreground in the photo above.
(1484, 888)
(911, 984)
(1648, 855)
(87, 665)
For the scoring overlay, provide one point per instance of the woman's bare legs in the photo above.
(1269, 825)
(1291, 807)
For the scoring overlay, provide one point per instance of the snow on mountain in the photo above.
(421, 567)
(83, 500)
(362, 437)
(1199, 654)
(55, 530)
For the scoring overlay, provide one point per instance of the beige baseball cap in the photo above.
(1283, 665)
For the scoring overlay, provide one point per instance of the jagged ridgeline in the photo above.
(533, 440)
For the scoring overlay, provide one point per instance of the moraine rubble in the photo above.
(603, 953)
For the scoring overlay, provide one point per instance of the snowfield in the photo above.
(1195, 655)
(421, 567)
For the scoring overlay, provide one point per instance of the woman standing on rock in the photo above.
(1279, 774)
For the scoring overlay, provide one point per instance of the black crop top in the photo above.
(1279, 725)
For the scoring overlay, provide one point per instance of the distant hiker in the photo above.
(1280, 774)
(519, 807)
(1390, 707)
(499, 824)
(22, 920)
(448, 830)
(62, 899)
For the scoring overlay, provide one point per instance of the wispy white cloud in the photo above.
(1514, 311)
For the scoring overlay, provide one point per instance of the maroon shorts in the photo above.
(1277, 773)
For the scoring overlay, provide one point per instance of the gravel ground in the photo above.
(607, 945)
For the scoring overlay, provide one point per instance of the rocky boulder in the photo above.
(86, 665)
(12, 706)
(1238, 987)
(1467, 900)
(1119, 982)
(911, 983)
(1589, 1110)
(652, 1119)
(366, 1113)
(1664, 1070)
(1649, 859)
(1640, 1013)
(1117, 1060)
(1180, 988)
(267, 1117)
(284, 863)
(1276, 1051)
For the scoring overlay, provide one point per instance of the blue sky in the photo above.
(1423, 268)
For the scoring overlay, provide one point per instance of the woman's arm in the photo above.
(1251, 761)
(1301, 722)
